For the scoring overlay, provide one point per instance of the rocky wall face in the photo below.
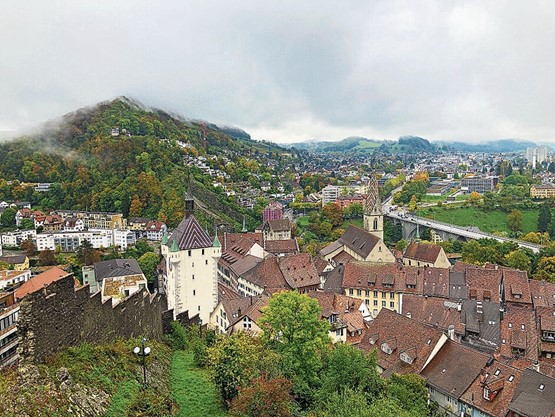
(60, 316)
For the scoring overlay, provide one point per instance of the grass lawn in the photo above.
(487, 221)
(192, 389)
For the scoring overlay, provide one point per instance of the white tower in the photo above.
(191, 258)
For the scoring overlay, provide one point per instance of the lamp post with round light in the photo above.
(143, 352)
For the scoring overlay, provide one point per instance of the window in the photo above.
(193, 276)
(339, 332)
(383, 303)
(367, 293)
(375, 303)
(511, 378)
(392, 304)
(359, 292)
(203, 251)
(367, 302)
(376, 224)
(497, 372)
(189, 253)
(350, 291)
(391, 295)
(384, 294)
(510, 325)
(206, 262)
(194, 292)
(375, 294)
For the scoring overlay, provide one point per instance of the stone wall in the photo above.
(59, 316)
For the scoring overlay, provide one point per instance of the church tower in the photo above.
(373, 215)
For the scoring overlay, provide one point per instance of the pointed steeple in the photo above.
(216, 242)
(373, 206)
(244, 229)
(174, 247)
(189, 200)
(165, 238)
(373, 214)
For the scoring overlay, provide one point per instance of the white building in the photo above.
(536, 155)
(15, 238)
(100, 238)
(330, 193)
(190, 277)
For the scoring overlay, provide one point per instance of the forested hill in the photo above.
(139, 172)
(405, 144)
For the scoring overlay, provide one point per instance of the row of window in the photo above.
(8, 321)
(375, 293)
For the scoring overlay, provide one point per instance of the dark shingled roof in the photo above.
(454, 368)
(190, 235)
(334, 281)
(534, 395)
(359, 240)
(116, 268)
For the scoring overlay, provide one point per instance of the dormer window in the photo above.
(386, 348)
(486, 394)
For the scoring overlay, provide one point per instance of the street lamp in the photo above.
(143, 352)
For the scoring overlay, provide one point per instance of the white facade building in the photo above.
(100, 238)
(190, 279)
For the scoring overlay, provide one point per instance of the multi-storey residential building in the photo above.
(536, 155)
(330, 193)
(70, 241)
(542, 191)
(273, 211)
(9, 312)
(96, 219)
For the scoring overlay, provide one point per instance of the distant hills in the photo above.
(412, 144)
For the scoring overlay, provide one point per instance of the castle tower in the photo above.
(373, 215)
(190, 278)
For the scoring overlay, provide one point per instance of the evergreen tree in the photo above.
(544, 217)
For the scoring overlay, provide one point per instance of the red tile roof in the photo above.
(299, 270)
(405, 334)
(425, 252)
(40, 281)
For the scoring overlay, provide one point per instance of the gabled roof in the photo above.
(435, 282)
(231, 239)
(281, 246)
(299, 270)
(334, 281)
(484, 283)
(116, 268)
(359, 240)
(190, 235)
(425, 252)
(518, 330)
(434, 311)
(543, 293)
(454, 368)
(506, 381)
(267, 275)
(534, 395)
(516, 287)
(407, 334)
(281, 225)
(225, 292)
(13, 259)
(40, 281)
(482, 318)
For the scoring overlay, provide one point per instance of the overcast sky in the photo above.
(290, 70)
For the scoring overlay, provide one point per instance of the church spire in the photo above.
(373, 214)
(189, 200)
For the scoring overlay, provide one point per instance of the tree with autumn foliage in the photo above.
(263, 397)
(136, 207)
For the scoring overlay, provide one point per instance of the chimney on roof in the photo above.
(536, 366)
(251, 299)
(451, 332)
(239, 312)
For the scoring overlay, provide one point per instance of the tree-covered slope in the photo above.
(139, 172)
